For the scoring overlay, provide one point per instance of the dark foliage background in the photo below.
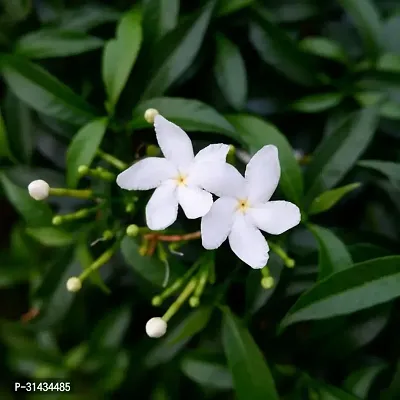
(319, 79)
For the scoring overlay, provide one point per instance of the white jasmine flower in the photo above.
(179, 178)
(39, 189)
(243, 209)
(156, 327)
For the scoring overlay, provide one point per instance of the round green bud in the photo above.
(267, 282)
(290, 263)
(130, 208)
(150, 114)
(194, 302)
(152, 150)
(132, 230)
(83, 169)
(156, 301)
(107, 235)
(57, 220)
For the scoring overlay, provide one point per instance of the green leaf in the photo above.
(256, 133)
(328, 199)
(318, 102)
(328, 392)
(110, 331)
(324, 47)
(174, 53)
(360, 382)
(120, 54)
(278, 49)
(252, 378)
(362, 286)
(150, 268)
(159, 17)
(333, 255)
(365, 251)
(50, 236)
(176, 340)
(230, 72)
(83, 147)
(191, 115)
(337, 153)
(387, 107)
(42, 91)
(368, 23)
(35, 213)
(206, 373)
(14, 272)
(17, 10)
(86, 17)
(4, 143)
(51, 43)
(390, 169)
(21, 129)
(391, 31)
(226, 7)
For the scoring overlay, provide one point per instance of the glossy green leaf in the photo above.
(317, 102)
(110, 331)
(333, 255)
(390, 169)
(51, 236)
(256, 133)
(362, 286)
(86, 17)
(120, 54)
(42, 91)
(191, 115)
(360, 382)
(324, 47)
(365, 251)
(21, 130)
(150, 268)
(230, 72)
(51, 43)
(178, 337)
(174, 54)
(83, 147)
(252, 378)
(367, 21)
(226, 7)
(328, 199)
(206, 373)
(338, 152)
(278, 49)
(159, 17)
(36, 213)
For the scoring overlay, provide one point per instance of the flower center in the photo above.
(181, 180)
(243, 205)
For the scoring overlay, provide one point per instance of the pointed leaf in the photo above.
(362, 286)
(324, 47)
(317, 102)
(50, 43)
(328, 199)
(230, 72)
(226, 7)
(390, 169)
(4, 142)
(333, 255)
(83, 148)
(120, 54)
(51, 236)
(43, 92)
(256, 133)
(190, 115)
(338, 152)
(252, 378)
(328, 392)
(175, 53)
(367, 21)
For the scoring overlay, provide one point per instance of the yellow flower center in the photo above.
(181, 180)
(243, 205)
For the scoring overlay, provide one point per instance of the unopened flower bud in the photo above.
(150, 114)
(156, 301)
(152, 150)
(74, 284)
(83, 169)
(267, 282)
(194, 302)
(39, 189)
(132, 230)
(57, 220)
(156, 327)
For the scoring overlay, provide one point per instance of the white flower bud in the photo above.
(156, 327)
(150, 114)
(39, 189)
(74, 284)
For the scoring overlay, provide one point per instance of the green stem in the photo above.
(79, 194)
(180, 300)
(289, 262)
(203, 277)
(112, 160)
(99, 172)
